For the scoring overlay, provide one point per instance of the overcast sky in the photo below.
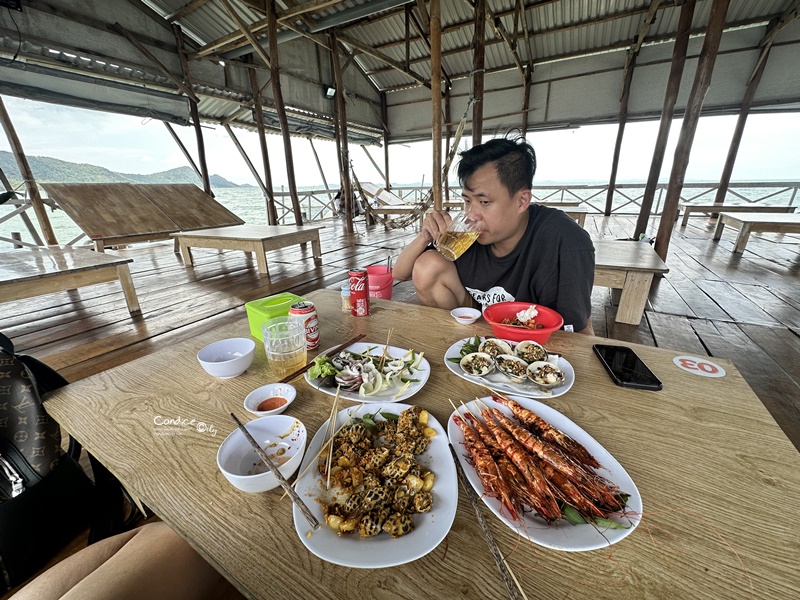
(770, 148)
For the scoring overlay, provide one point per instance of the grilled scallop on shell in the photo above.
(477, 364)
(530, 351)
(512, 367)
(546, 375)
(494, 347)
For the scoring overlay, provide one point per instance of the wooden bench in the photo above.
(250, 238)
(125, 213)
(750, 222)
(629, 266)
(29, 272)
(710, 209)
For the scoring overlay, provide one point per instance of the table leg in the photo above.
(261, 257)
(718, 230)
(634, 297)
(581, 219)
(186, 252)
(316, 250)
(127, 288)
(741, 240)
(685, 220)
(176, 247)
(99, 246)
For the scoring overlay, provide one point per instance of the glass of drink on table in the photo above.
(285, 345)
(459, 236)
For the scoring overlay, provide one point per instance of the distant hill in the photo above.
(53, 170)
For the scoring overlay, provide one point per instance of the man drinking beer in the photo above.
(524, 252)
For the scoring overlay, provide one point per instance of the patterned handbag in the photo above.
(46, 498)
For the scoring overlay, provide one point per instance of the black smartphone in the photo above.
(626, 368)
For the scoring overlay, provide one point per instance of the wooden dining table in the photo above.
(719, 481)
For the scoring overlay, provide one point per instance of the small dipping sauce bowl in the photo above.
(270, 399)
(465, 315)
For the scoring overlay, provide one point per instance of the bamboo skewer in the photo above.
(312, 520)
(331, 427)
(513, 587)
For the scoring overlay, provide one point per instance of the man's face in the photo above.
(488, 203)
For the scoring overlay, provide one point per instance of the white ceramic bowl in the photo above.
(227, 358)
(465, 315)
(284, 439)
(258, 395)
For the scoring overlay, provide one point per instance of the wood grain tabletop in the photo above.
(719, 481)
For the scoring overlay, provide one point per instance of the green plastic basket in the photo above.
(261, 311)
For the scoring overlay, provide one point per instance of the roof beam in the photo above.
(246, 31)
(369, 50)
(156, 63)
(236, 40)
(185, 10)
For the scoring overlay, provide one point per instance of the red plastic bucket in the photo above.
(380, 282)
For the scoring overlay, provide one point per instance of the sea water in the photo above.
(250, 205)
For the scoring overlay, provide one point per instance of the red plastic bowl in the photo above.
(495, 314)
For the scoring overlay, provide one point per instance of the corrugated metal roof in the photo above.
(558, 29)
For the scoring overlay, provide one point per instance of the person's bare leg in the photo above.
(437, 282)
(151, 562)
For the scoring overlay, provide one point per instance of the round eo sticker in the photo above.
(699, 366)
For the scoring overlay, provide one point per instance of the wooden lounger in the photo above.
(688, 208)
(749, 222)
(29, 272)
(124, 213)
(250, 238)
(629, 266)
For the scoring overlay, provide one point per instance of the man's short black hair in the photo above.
(515, 161)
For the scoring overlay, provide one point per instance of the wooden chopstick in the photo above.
(512, 586)
(336, 350)
(312, 520)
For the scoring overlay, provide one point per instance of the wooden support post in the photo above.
(186, 154)
(526, 99)
(744, 111)
(258, 114)
(436, 102)
(385, 123)
(446, 176)
(248, 162)
(667, 111)
(321, 172)
(277, 95)
(27, 176)
(478, 71)
(702, 80)
(198, 131)
(372, 160)
(341, 113)
(630, 63)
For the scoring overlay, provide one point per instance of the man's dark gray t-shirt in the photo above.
(552, 265)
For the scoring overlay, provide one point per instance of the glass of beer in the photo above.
(459, 236)
(285, 345)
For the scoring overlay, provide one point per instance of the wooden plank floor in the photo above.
(712, 302)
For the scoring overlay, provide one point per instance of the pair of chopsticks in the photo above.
(312, 520)
(336, 350)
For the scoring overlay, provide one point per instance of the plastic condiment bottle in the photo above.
(346, 297)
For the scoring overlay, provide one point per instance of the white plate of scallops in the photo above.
(523, 363)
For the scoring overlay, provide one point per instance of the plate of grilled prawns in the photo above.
(542, 475)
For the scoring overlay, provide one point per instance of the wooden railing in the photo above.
(320, 204)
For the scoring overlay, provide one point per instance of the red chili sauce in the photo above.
(271, 403)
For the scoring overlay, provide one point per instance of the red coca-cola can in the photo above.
(307, 313)
(359, 293)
